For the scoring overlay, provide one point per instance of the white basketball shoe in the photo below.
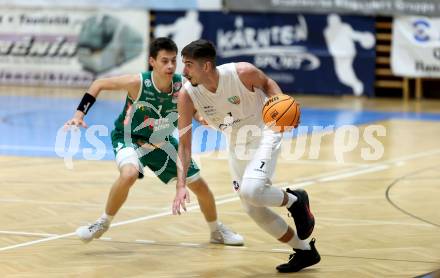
(95, 230)
(224, 235)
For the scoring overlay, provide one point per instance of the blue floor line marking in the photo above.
(29, 125)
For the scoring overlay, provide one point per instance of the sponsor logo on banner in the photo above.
(416, 47)
(69, 47)
(270, 45)
(293, 49)
(420, 30)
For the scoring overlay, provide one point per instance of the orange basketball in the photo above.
(281, 113)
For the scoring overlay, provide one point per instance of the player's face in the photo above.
(193, 71)
(165, 63)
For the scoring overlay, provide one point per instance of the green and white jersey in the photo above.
(152, 117)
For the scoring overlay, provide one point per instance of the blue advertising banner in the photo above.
(322, 54)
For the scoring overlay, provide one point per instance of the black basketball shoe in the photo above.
(300, 211)
(301, 259)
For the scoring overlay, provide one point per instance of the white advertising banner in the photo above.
(415, 48)
(162, 5)
(70, 47)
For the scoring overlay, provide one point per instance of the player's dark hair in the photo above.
(200, 50)
(163, 43)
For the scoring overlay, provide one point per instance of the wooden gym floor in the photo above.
(373, 218)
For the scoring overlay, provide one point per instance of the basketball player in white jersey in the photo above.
(230, 98)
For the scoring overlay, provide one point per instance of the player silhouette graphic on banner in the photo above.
(340, 38)
(177, 31)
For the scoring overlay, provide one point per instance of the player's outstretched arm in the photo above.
(252, 78)
(186, 110)
(129, 83)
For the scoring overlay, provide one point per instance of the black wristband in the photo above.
(86, 102)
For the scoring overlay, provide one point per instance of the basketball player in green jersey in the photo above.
(143, 138)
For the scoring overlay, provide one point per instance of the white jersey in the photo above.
(232, 105)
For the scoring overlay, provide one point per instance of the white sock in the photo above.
(107, 217)
(214, 225)
(297, 243)
(292, 199)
